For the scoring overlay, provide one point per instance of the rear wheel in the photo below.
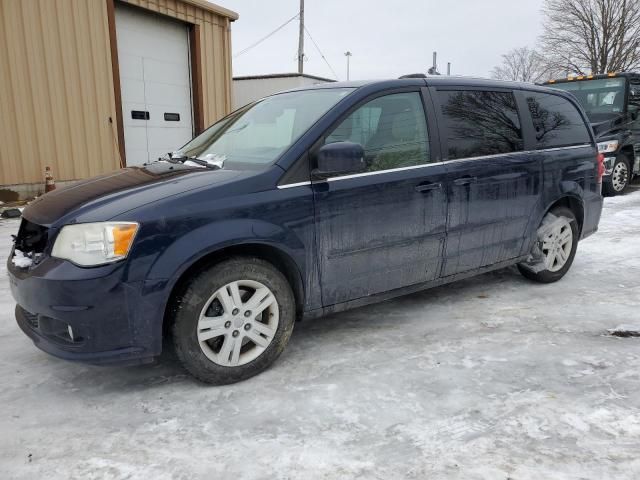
(233, 320)
(619, 178)
(555, 247)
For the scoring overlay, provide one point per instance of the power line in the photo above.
(267, 36)
(320, 52)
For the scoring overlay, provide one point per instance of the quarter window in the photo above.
(391, 129)
(479, 123)
(557, 122)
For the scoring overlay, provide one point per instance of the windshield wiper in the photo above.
(196, 160)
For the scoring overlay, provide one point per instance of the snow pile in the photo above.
(21, 260)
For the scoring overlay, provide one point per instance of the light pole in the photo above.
(348, 55)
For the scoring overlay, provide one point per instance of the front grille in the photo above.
(32, 238)
(31, 242)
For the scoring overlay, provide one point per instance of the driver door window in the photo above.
(392, 130)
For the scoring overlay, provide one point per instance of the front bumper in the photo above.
(56, 345)
(88, 315)
(608, 165)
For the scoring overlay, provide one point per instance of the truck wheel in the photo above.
(619, 178)
(555, 247)
(233, 320)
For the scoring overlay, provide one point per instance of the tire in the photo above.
(545, 266)
(620, 177)
(216, 336)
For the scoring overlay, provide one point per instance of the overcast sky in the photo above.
(387, 39)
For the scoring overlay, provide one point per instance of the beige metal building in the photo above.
(87, 86)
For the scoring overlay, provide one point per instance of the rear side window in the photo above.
(557, 122)
(479, 123)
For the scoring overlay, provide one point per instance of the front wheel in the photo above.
(619, 179)
(233, 320)
(555, 247)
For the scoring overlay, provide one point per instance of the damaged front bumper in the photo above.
(88, 315)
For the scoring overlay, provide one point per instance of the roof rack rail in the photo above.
(414, 75)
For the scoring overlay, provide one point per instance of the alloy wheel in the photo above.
(557, 244)
(238, 323)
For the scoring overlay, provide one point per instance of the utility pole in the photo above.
(301, 40)
(348, 55)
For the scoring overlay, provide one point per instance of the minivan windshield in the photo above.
(601, 98)
(256, 135)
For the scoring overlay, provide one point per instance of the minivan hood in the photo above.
(120, 191)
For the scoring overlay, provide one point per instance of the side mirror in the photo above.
(339, 158)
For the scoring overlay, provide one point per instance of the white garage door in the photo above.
(153, 54)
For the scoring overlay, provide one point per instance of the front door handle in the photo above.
(465, 181)
(427, 187)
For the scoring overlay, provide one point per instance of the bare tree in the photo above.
(592, 36)
(523, 65)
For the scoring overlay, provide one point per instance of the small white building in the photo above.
(250, 88)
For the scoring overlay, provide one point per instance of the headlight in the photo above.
(608, 146)
(90, 244)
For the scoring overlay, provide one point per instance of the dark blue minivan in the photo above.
(304, 203)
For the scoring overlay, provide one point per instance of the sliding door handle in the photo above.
(427, 187)
(465, 181)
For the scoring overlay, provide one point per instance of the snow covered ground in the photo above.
(490, 378)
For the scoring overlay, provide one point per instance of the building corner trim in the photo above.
(115, 71)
